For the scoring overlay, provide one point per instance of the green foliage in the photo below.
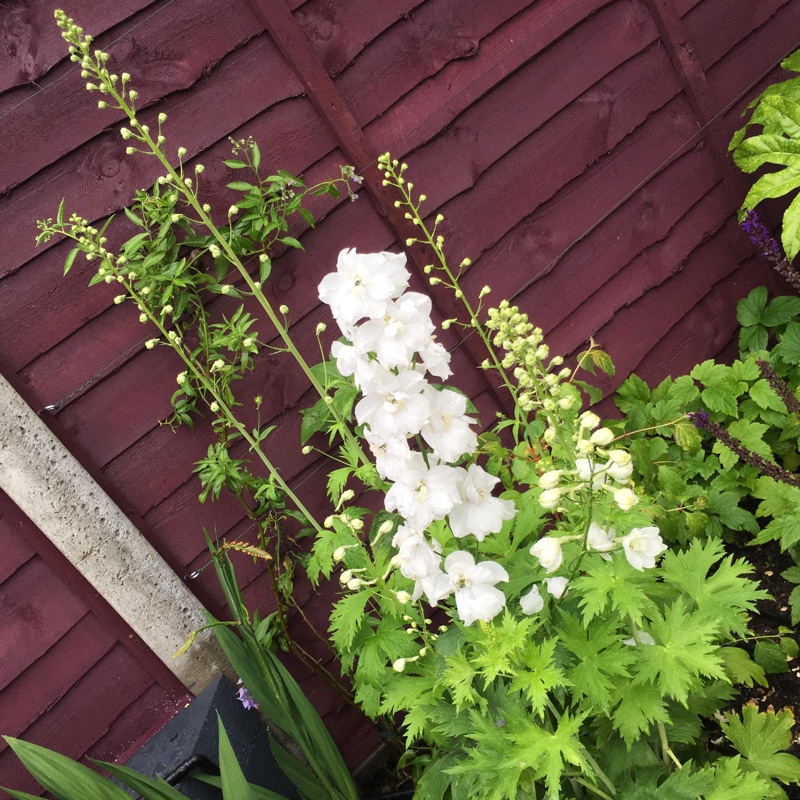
(777, 112)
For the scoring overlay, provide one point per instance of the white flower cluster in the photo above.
(390, 349)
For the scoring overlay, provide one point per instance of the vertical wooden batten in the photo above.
(329, 103)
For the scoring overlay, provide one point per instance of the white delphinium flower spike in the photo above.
(548, 551)
(474, 586)
(447, 430)
(479, 513)
(362, 284)
(422, 495)
(394, 405)
(642, 546)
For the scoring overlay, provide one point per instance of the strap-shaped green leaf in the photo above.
(65, 778)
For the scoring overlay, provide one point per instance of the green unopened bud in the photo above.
(162, 117)
(142, 318)
(307, 449)
(181, 377)
(485, 291)
(321, 328)
(120, 298)
(233, 211)
(284, 309)
(151, 343)
(403, 596)
(214, 407)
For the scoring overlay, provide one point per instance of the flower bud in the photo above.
(181, 377)
(151, 343)
(602, 437)
(284, 309)
(625, 499)
(120, 298)
(307, 449)
(550, 498)
(403, 597)
(550, 479)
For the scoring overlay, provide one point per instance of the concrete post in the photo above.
(49, 485)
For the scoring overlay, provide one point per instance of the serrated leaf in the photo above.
(720, 397)
(770, 656)
(759, 737)
(686, 436)
(789, 346)
(765, 396)
(790, 233)
(753, 338)
(749, 311)
(781, 310)
(741, 668)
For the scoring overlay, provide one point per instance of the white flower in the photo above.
(619, 472)
(550, 498)
(532, 602)
(625, 499)
(548, 551)
(602, 437)
(416, 556)
(362, 284)
(351, 361)
(589, 420)
(556, 586)
(599, 539)
(473, 584)
(391, 454)
(422, 495)
(549, 480)
(642, 546)
(589, 471)
(447, 428)
(478, 512)
(435, 359)
(404, 327)
(394, 404)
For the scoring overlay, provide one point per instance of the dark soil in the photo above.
(783, 690)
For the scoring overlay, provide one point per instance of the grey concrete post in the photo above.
(56, 493)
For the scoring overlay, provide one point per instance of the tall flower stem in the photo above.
(93, 67)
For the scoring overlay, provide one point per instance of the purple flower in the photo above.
(244, 696)
(760, 235)
(700, 418)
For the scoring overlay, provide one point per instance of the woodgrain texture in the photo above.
(576, 150)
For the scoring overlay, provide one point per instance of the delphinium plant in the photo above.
(512, 601)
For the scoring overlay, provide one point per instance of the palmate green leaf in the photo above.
(539, 676)
(457, 678)
(499, 647)
(601, 659)
(638, 709)
(760, 737)
(614, 585)
(789, 346)
(733, 781)
(65, 778)
(685, 651)
(548, 754)
(741, 668)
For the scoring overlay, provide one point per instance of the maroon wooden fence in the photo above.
(576, 149)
